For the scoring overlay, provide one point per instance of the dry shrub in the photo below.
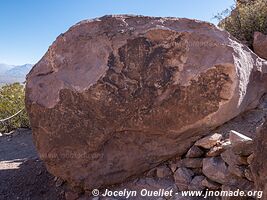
(11, 101)
(245, 19)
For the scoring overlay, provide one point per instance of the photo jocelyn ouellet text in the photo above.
(169, 193)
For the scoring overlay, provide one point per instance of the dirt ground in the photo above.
(22, 174)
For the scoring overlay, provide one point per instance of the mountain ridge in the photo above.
(13, 73)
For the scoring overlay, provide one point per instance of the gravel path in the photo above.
(22, 174)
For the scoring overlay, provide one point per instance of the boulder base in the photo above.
(116, 96)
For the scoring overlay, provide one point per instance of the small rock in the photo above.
(243, 149)
(250, 158)
(236, 137)
(248, 175)
(209, 141)
(225, 143)
(215, 169)
(183, 177)
(215, 151)
(191, 162)
(237, 170)
(163, 171)
(194, 152)
(233, 159)
(196, 183)
(210, 184)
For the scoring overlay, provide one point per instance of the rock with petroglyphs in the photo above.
(115, 96)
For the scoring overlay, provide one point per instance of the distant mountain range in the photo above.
(13, 73)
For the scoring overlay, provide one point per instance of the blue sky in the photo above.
(28, 27)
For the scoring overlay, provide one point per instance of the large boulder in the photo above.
(116, 96)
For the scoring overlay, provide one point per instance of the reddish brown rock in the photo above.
(260, 44)
(220, 148)
(209, 141)
(194, 152)
(215, 151)
(243, 149)
(115, 96)
(190, 162)
(236, 138)
(215, 169)
(237, 170)
(163, 171)
(231, 158)
(183, 178)
(259, 162)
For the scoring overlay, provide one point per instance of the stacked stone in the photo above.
(213, 163)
